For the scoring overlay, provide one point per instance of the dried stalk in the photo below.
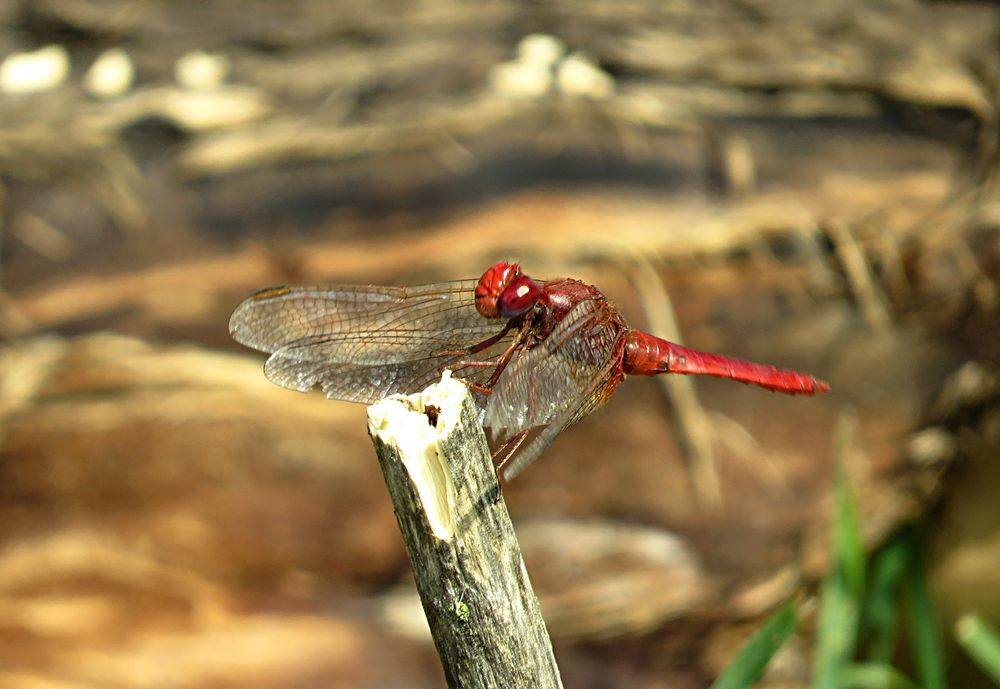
(474, 588)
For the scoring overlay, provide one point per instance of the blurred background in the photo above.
(811, 185)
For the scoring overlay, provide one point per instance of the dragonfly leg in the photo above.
(485, 344)
(507, 451)
(485, 389)
(500, 363)
(476, 386)
(504, 453)
(519, 343)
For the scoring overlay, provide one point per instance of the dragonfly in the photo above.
(538, 355)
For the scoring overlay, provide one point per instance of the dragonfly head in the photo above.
(504, 292)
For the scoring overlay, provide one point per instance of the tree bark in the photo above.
(482, 612)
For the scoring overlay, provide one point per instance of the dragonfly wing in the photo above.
(368, 384)
(360, 343)
(362, 323)
(559, 381)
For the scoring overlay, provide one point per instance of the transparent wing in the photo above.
(363, 342)
(556, 383)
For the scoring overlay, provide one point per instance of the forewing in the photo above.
(562, 379)
(361, 343)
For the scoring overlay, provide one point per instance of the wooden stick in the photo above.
(474, 588)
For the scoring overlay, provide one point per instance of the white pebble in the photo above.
(216, 109)
(520, 80)
(540, 49)
(199, 70)
(577, 75)
(41, 70)
(111, 74)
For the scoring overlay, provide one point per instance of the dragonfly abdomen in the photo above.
(647, 355)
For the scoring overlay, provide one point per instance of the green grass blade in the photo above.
(849, 549)
(874, 676)
(748, 665)
(981, 642)
(843, 586)
(836, 632)
(927, 650)
(879, 616)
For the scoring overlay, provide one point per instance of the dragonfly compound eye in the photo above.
(518, 297)
(492, 285)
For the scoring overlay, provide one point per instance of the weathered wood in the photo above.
(472, 582)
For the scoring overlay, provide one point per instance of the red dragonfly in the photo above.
(538, 355)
